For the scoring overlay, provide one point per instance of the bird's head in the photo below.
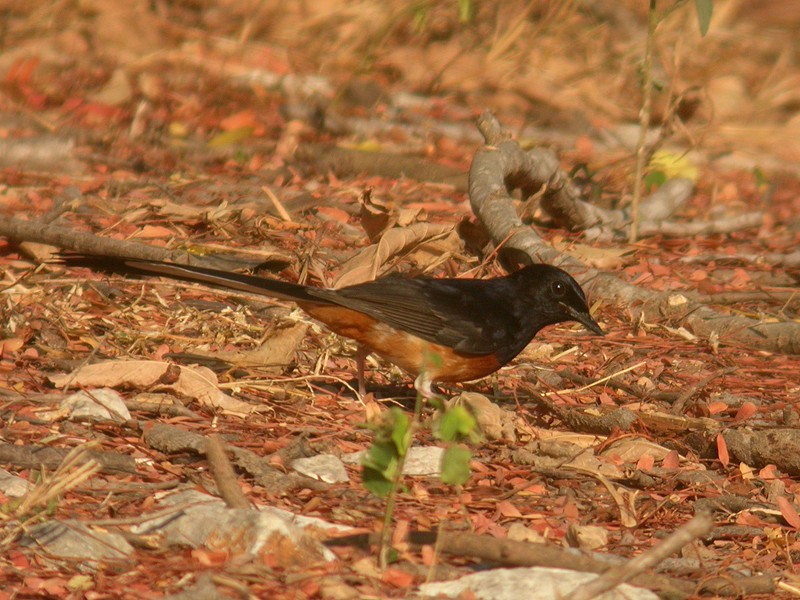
(555, 295)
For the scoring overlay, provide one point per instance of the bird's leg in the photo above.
(361, 359)
(423, 385)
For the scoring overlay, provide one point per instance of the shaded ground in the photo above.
(256, 127)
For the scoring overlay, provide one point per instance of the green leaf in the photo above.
(704, 10)
(436, 403)
(456, 423)
(375, 482)
(401, 435)
(380, 456)
(379, 467)
(762, 181)
(654, 179)
(455, 465)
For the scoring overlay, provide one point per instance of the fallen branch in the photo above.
(503, 551)
(36, 457)
(170, 439)
(694, 529)
(19, 230)
(501, 165)
(224, 475)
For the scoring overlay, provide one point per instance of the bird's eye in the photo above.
(558, 288)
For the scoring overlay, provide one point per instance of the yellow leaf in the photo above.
(673, 165)
(233, 136)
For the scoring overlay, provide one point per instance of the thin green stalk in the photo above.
(644, 120)
(391, 498)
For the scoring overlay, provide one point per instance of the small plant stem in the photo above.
(644, 120)
(391, 498)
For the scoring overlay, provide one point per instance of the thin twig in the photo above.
(224, 475)
(644, 120)
(277, 204)
(594, 383)
(677, 408)
(697, 527)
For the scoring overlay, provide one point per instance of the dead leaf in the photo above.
(671, 460)
(788, 511)
(507, 509)
(747, 410)
(494, 422)
(768, 473)
(41, 252)
(599, 258)
(645, 463)
(715, 408)
(277, 351)
(586, 537)
(376, 215)
(333, 213)
(153, 232)
(634, 449)
(10, 346)
(116, 91)
(474, 236)
(369, 263)
(240, 120)
(407, 216)
(168, 208)
(397, 578)
(198, 383)
(722, 451)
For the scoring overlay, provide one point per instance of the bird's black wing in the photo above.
(464, 314)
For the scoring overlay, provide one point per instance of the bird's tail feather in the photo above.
(223, 279)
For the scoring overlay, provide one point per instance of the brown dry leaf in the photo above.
(376, 215)
(41, 252)
(507, 509)
(198, 383)
(582, 440)
(623, 498)
(747, 410)
(168, 208)
(728, 96)
(116, 91)
(153, 232)
(631, 450)
(671, 460)
(434, 253)
(599, 258)
(277, 351)
(722, 451)
(494, 422)
(474, 235)
(368, 264)
(407, 216)
(10, 346)
(788, 511)
(587, 537)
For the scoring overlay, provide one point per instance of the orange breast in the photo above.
(412, 354)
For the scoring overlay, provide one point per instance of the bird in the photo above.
(438, 330)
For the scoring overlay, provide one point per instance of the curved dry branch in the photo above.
(64, 238)
(501, 166)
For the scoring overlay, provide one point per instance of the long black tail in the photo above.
(214, 277)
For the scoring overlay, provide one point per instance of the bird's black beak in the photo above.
(584, 318)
